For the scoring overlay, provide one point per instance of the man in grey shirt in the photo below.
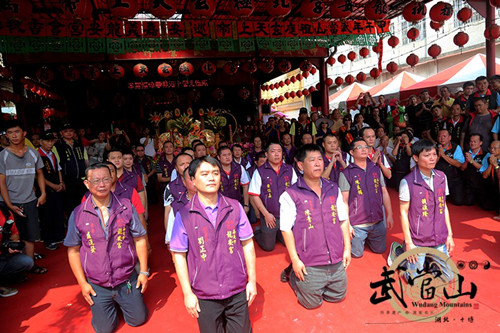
(19, 164)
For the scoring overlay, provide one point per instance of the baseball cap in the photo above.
(47, 136)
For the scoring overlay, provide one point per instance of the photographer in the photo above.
(12, 261)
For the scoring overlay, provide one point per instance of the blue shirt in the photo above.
(485, 163)
(496, 126)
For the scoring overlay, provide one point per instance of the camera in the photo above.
(6, 242)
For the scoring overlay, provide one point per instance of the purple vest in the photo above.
(106, 262)
(317, 233)
(427, 209)
(336, 169)
(179, 203)
(165, 166)
(289, 155)
(129, 178)
(365, 196)
(216, 262)
(230, 184)
(273, 185)
(177, 188)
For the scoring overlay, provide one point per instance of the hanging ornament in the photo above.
(305, 92)
(361, 77)
(70, 73)
(461, 39)
(441, 12)
(392, 67)
(208, 68)
(495, 3)
(434, 51)
(375, 73)
(299, 93)
(241, 8)
(284, 66)
(312, 89)
(249, 67)
(412, 59)
(117, 72)
(279, 8)
(165, 70)
(293, 79)
(464, 14)
(281, 84)
(341, 8)
(305, 66)
(202, 9)
(292, 94)
(299, 77)
(413, 34)
(328, 82)
(312, 8)
(349, 79)
(123, 10)
(330, 61)
(305, 74)
(287, 82)
(244, 93)
(414, 12)
(230, 68)
(339, 81)
(436, 25)
(266, 66)
(140, 70)
(377, 48)
(313, 70)
(364, 52)
(492, 32)
(287, 95)
(352, 55)
(91, 72)
(44, 74)
(186, 68)
(341, 58)
(281, 98)
(163, 10)
(393, 41)
(376, 10)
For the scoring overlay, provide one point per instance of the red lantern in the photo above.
(44, 74)
(299, 77)
(208, 68)
(91, 72)
(266, 66)
(312, 89)
(495, 3)
(361, 77)
(78, 9)
(436, 25)
(165, 70)
(249, 67)
(164, 9)
(352, 55)
(461, 39)
(281, 98)
(328, 82)
(465, 14)
(305, 74)
(377, 48)
(434, 51)
(412, 59)
(186, 68)
(292, 94)
(392, 67)
(287, 95)
(364, 52)
(305, 92)
(341, 9)
(293, 79)
(393, 41)
(341, 58)
(117, 72)
(376, 10)
(287, 82)
(70, 73)
(279, 8)
(492, 31)
(313, 70)
(299, 93)
(441, 12)
(271, 86)
(281, 84)
(230, 68)
(330, 61)
(284, 66)
(202, 9)
(414, 11)
(413, 34)
(218, 94)
(123, 9)
(375, 73)
(140, 70)
(305, 66)
(240, 8)
(312, 8)
(339, 81)
(244, 93)
(349, 79)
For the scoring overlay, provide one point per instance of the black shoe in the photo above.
(52, 246)
(285, 274)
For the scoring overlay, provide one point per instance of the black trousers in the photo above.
(75, 189)
(228, 315)
(51, 218)
(457, 195)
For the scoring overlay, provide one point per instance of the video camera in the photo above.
(6, 242)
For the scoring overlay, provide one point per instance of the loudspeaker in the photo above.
(266, 108)
(316, 98)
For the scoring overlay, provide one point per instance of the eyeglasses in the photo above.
(139, 150)
(98, 181)
(361, 147)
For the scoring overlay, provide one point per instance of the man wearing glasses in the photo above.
(105, 238)
(364, 191)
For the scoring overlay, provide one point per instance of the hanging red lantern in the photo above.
(164, 9)
(441, 12)
(244, 93)
(393, 41)
(495, 3)
(313, 70)
(376, 10)
(341, 58)
(249, 67)
(293, 79)
(330, 61)
(281, 84)
(241, 8)
(461, 39)
(287, 82)
(292, 94)
(299, 77)
(339, 81)
(376, 48)
(305, 74)
(375, 73)
(117, 72)
(305, 92)
(312, 89)
(392, 67)
(186, 68)
(208, 68)
(361, 77)
(281, 98)
(140, 70)
(271, 86)
(414, 11)
(436, 25)
(123, 9)
(413, 34)
(492, 32)
(91, 72)
(70, 73)
(464, 14)
(44, 74)
(287, 95)
(434, 51)
(284, 66)
(364, 52)
(352, 55)
(266, 66)
(305, 66)
(349, 79)
(412, 59)
(202, 9)
(328, 82)
(279, 8)
(312, 8)
(230, 68)
(341, 8)
(218, 94)
(165, 70)
(299, 93)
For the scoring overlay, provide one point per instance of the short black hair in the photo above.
(273, 143)
(353, 143)
(13, 123)
(113, 150)
(477, 134)
(168, 141)
(468, 84)
(236, 145)
(195, 142)
(363, 130)
(185, 149)
(302, 152)
(139, 145)
(221, 149)
(329, 134)
(195, 164)
(259, 155)
(109, 164)
(424, 91)
(481, 78)
(95, 167)
(422, 145)
(494, 77)
(199, 144)
(181, 154)
(127, 152)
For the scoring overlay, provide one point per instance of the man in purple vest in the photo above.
(213, 253)
(315, 226)
(334, 159)
(363, 188)
(234, 178)
(425, 219)
(267, 184)
(165, 165)
(105, 238)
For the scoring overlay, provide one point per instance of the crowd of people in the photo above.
(317, 184)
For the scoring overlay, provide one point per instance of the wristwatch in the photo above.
(144, 273)
(498, 166)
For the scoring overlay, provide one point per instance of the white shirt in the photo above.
(404, 190)
(149, 149)
(244, 180)
(256, 182)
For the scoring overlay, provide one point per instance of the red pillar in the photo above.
(323, 74)
(490, 43)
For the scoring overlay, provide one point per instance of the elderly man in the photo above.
(105, 238)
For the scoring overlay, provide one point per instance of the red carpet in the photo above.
(53, 302)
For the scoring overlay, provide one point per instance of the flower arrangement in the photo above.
(184, 124)
(155, 118)
(214, 120)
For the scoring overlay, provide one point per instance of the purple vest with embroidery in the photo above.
(427, 209)
(216, 262)
(289, 155)
(109, 261)
(177, 188)
(165, 166)
(365, 196)
(129, 178)
(317, 233)
(273, 185)
(230, 184)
